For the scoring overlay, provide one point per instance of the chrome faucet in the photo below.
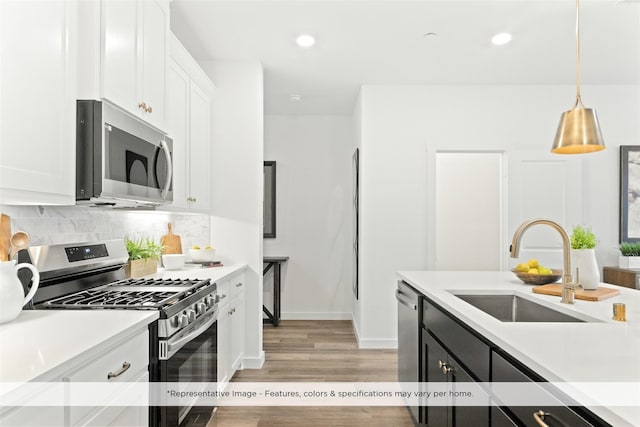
(568, 287)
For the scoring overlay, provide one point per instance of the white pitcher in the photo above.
(12, 297)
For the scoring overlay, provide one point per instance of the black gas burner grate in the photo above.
(160, 282)
(132, 294)
(116, 299)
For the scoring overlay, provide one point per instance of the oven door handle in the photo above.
(175, 346)
(167, 154)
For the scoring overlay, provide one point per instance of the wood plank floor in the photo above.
(317, 351)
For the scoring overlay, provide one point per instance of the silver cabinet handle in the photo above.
(538, 416)
(238, 284)
(125, 368)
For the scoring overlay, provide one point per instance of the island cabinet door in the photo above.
(441, 373)
(434, 356)
(461, 414)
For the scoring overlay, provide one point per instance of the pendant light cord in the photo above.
(578, 97)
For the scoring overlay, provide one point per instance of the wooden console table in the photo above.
(276, 263)
(621, 277)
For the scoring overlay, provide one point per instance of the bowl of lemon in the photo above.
(532, 273)
(201, 254)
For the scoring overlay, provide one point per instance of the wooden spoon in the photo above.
(19, 240)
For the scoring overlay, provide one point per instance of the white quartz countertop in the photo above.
(36, 345)
(196, 271)
(599, 350)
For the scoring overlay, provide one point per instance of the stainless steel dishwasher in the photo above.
(409, 309)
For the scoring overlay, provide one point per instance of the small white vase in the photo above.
(585, 268)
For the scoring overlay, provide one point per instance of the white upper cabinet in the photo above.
(189, 93)
(134, 48)
(37, 101)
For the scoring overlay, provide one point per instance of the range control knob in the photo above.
(201, 307)
(209, 301)
(191, 315)
(181, 320)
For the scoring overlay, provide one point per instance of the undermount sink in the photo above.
(512, 308)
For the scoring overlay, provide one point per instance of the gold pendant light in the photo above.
(578, 131)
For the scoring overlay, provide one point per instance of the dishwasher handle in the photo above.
(401, 300)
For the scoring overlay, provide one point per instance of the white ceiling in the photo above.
(382, 42)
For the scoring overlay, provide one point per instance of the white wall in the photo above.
(313, 219)
(401, 124)
(237, 183)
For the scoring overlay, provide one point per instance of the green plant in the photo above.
(630, 249)
(583, 238)
(143, 248)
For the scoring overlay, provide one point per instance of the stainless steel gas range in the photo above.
(183, 342)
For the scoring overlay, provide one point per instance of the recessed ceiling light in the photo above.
(294, 97)
(501, 38)
(305, 40)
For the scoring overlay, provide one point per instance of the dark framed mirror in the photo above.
(269, 209)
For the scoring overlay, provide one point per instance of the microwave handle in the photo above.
(167, 182)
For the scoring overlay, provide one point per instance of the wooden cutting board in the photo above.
(5, 237)
(171, 242)
(593, 295)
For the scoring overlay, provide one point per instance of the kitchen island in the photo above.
(598, 349)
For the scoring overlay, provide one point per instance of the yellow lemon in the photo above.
(533, 263)
(533, 271)
(544, 270)
(522, 267)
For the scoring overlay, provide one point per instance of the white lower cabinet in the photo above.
(33, 416)
(123, 360)
(230, 327)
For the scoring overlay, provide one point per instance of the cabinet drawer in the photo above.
(134, 351)
(236, 285)
(223, 290)
(464, 345)
(123, 362)
(560, 415)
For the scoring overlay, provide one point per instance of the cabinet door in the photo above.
(33, 416)
(223, 345)
(236, 346)
(434, 358)
(155, 48)
(462, 415)
(120, 54)
(200, 148)
(178, 108)
(37, 102)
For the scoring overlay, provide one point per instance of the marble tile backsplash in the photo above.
(73, 224)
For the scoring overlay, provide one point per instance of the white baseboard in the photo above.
(316, 316)
(253, 362)
(377, 343)
(372, 343)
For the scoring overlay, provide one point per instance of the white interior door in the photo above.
(544, 185)
(469, 210)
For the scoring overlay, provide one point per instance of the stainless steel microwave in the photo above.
(120, 160)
